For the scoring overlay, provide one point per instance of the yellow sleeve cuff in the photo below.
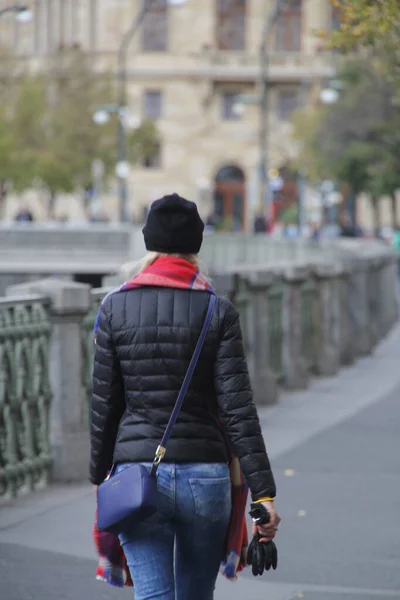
(264, 500)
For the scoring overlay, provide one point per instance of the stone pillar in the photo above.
(223, 283)
(383, 295)
(358, 306)
(295, 371)
(249, 293)
(69, 435)
(265, 384)
(328, 356)
(389, 296)
(374, 290)
(347, 341)
(240, 296)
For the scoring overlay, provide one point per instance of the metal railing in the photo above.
(25, 394)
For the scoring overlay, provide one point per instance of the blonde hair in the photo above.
(128, 270)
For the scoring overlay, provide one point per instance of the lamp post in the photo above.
(262, 101)
(22, 13)
(122, 77)
(268, 27)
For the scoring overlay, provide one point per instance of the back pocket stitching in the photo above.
(195, 485)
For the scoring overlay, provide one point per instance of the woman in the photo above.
(145, 339)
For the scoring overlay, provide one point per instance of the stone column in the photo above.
(249, 293)
(389, 295)
(328, 356)
(240, 296)
(373, 291)
(295, 371)
(223, 283)
(69, 435)
(358, 305)
(265, 384)
(347, 341)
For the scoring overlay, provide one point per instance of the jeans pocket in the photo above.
(212, 497)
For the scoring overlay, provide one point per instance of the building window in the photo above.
(153, 104)
(155, 27)
(231, 24)
(153, 159)
(288, 27)
(228, 108)
(288, 101)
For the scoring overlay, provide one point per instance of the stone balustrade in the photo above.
(299, 319)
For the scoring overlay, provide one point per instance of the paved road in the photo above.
(336, 456)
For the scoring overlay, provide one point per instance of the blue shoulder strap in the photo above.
(185, 385)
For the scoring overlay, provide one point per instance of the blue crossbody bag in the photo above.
(128, 497)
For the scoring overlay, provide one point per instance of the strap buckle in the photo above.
(160, 453)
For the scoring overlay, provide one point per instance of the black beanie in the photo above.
(173, 226)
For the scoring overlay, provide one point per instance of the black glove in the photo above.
(261, 555)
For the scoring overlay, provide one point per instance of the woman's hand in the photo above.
(268, 531)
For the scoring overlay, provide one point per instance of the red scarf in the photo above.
(175, 272)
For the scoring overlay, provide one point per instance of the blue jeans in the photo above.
(175, 554)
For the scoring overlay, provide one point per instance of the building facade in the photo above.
(195, 70)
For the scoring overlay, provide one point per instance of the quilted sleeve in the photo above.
(237, 409)
(108, 402)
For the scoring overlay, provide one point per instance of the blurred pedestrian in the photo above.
(146, 334)
(260, 223)
(348, 228)
(210, 224)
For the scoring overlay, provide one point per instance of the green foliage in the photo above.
(142, 142)
(47, 129)
(357, 139)
(372, 25)
(365, 22)
(306, 125)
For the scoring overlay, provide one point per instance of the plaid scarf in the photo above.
(112, 568)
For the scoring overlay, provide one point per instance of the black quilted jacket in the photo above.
(145, 340)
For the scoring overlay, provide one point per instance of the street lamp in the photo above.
(121, 97)
(329, 96)
(22, 13)
(268, 27)
(263, 103)
(331, 93)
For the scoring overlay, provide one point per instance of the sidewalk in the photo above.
(334, 449)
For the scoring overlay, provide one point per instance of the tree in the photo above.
(365, 21)
(310, 161)
(47, 130)
(357, 140)
(369, 24)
